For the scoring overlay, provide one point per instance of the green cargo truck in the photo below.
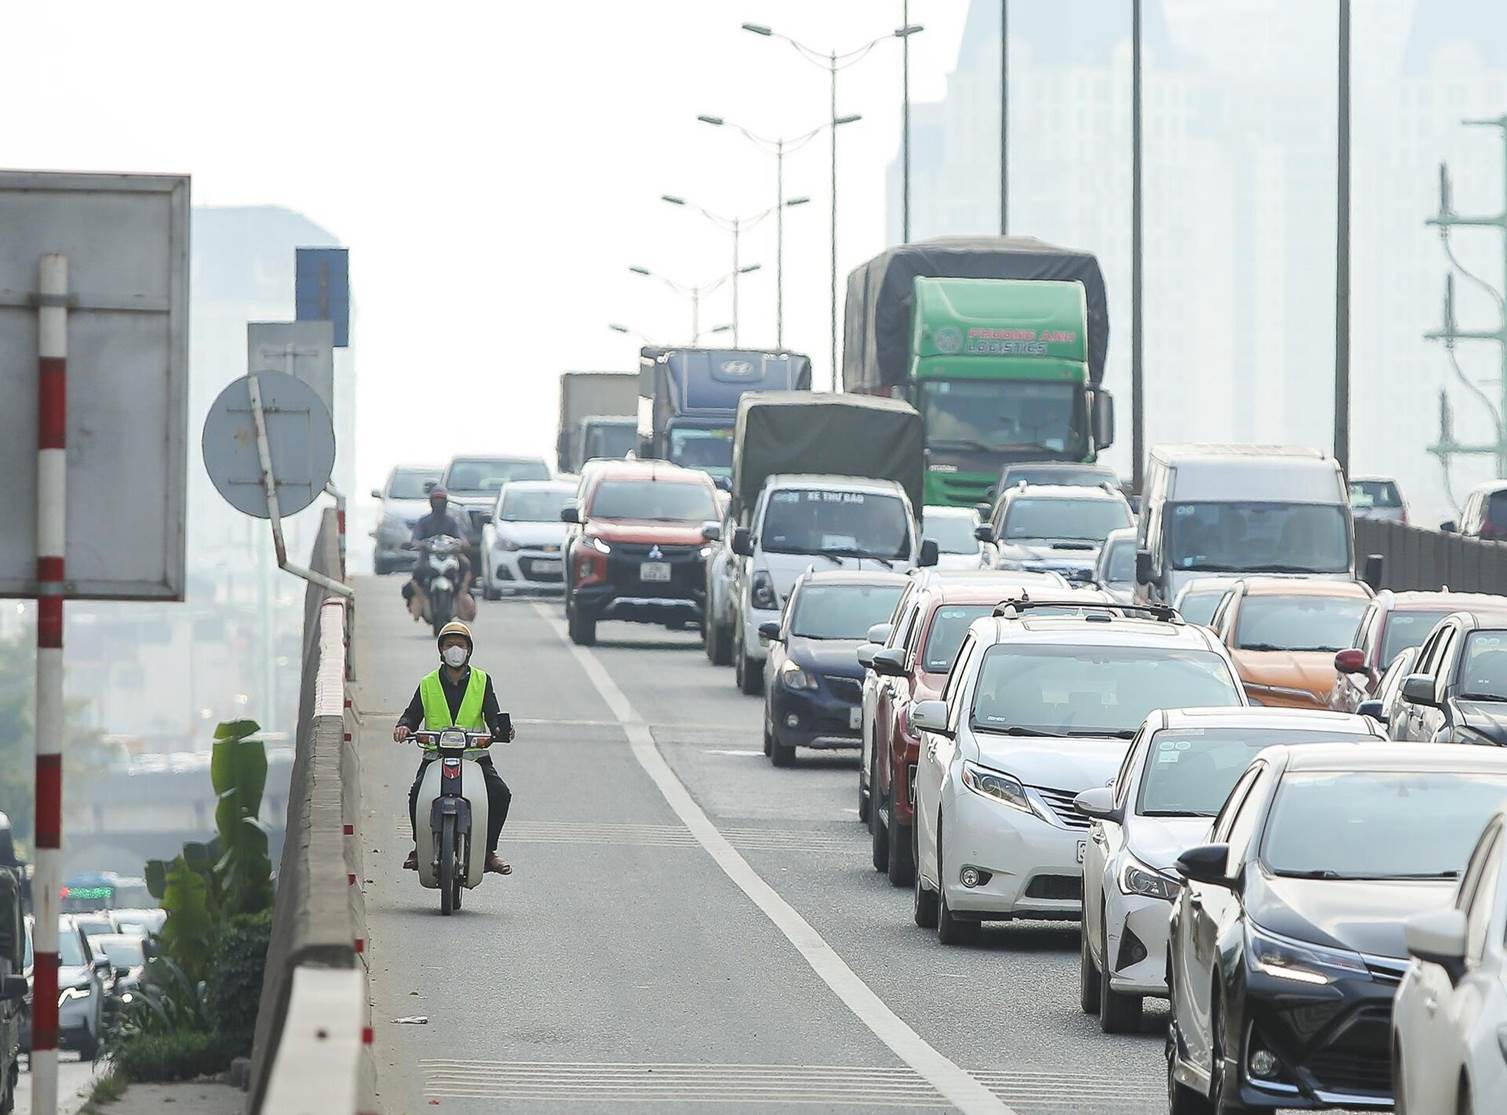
(998, 342)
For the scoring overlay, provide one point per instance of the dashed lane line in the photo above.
(955, 1084)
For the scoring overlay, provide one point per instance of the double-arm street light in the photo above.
(781, 146)
(696, 294)
(832, 61)
(737, 225)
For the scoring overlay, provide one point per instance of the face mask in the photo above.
(455, 657)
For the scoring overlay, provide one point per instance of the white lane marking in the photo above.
(961, 1089)
(728, 751)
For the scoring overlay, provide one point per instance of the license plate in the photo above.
(658, 571)
(855, 718)
(548, 565)
(1082, 847)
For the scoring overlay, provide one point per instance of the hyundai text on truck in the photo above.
(598, 417)
(998, 342)
(688, 400)
(824, 481)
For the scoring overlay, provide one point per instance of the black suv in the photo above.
(1457, 693)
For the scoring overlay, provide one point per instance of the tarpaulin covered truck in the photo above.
(999, 343)
(688, 400)
(593, 407)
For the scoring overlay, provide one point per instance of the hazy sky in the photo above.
(494, 168)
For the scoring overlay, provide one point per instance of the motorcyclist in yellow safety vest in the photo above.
(457, 695)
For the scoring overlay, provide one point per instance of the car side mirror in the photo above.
(1450, 527)
(1372, 572)
(712, 532)
(1207, 863)
(770, 630)
(570, 513)
(866, 652)
(985, 511)
(1097, 802)
(1143, 570)
(1438, 937)
(1080, 576)
(928, 555)
(890, 662)
(430, 485)
(14, 987)
(984, 532)
(122, 970)
(1374, 709)
(743, 542)
(1350, 661)
(149, 948)
(1103, 419)
(376, 493)
(930, 716)
(1419, 689)
(879, 633)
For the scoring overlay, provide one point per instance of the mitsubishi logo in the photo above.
(655, 553)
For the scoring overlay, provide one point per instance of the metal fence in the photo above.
(1413, 558)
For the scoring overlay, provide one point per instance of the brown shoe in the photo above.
(412, 862)
(497, 865)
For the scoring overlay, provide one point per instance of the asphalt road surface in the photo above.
(686, 927)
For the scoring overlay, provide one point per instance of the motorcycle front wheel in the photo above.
(441, 611)
(447, 866)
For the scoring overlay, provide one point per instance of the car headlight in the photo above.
(1137, 878)
(598, 545)
(996, 786)
(705, 551)
(68, 993)
(761, 591)
(793, 677)
(1300, 961)
(506, 544)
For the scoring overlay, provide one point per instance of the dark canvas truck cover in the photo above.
(877, 321)
(822, 434)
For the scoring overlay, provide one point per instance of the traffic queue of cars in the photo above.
(1187, 726)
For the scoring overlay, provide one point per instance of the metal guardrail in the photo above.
(312, 1050)
(1414, 558)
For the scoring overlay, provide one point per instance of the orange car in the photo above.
(1283, 633)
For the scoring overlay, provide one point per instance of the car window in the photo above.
(1301, 622)
(904, 633)
(1367, 629)
(1198, 607)
(653, 500)
(953, 534)
(1483, 902)
(965, 652)
(72, 951)
(1226, 816)
(1441, 655)
(1122, 777)
(1222, 610)
(949, 623)
(1428, 653)
(1086, 519)
(1246, 818)
(813, 521)
(1483, 668)
(1407, 629)
(409, 483)
(828, 611)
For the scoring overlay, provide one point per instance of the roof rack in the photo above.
(1017, 606)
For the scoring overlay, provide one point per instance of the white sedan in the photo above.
(522, 541)
(1449, 1021)
(1177, 773)
(1039, 708)
(955, 531)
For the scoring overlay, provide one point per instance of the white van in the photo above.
(800, 522)
(1232, 510)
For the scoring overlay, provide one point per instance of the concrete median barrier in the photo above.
(312, 1048)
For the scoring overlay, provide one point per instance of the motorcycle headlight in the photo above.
(761, 591)
(793, 677)
(999, 787)
(1137, 878)
(1299, 961)
(598, 545)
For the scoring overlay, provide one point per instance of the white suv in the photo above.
(1038, 708)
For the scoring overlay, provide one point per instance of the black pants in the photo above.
(499, 797)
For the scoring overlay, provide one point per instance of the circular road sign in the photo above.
(299, 435)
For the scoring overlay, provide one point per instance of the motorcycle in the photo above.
(442, 598)
(453, 795)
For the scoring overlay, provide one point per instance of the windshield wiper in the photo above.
(1017, 730)
(1481, 697)
(1260, 646)
(1278, 567)
(1105, 733)
(1175, 813)
(961, 443)
(1316, 873)
(888, 563)
(1451, 874)
(1073, 544)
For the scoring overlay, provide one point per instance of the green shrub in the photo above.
(177, 1055)
(235, 980)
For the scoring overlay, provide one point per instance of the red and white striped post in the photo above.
(52, 461)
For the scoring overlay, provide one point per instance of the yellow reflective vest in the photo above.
(437, 708)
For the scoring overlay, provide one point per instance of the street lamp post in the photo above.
(833, 61)
(696, 293)
(781, 146)
(737, 225)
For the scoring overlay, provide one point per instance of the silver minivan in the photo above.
(1234, 510)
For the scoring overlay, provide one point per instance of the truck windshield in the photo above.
(609, 440)
(1000, 416)
(408, 483)
(488, 475)
(1258, 537)
(852, 524)
(711, 451)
